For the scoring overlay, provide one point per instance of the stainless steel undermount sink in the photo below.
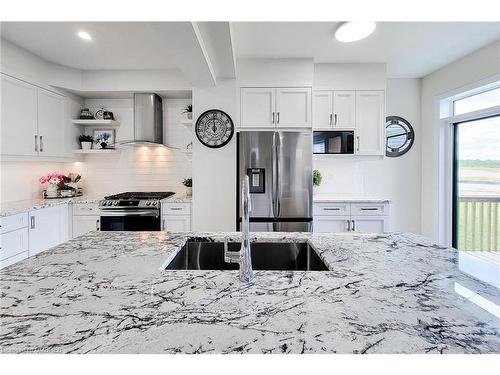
(277, 256)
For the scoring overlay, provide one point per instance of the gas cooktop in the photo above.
(141, 195)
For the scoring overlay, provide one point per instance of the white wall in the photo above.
(475, 67)
(397, 179)
(349, 76)
(275, 72)
(19, 180)
(214, 170)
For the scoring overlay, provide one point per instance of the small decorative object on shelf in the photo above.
(188, 183)
(86, 141)
(317, 178)
(85, 114)
(60, 186)
(108, 115)
(189, 111)
(104, 137)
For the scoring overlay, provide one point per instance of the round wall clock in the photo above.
(214, 128)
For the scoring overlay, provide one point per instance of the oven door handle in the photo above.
(154, 213)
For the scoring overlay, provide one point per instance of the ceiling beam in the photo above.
(219, 44)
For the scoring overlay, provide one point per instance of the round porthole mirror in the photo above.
(399, 136)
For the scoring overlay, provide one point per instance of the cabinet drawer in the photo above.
(176, 209)
(13, 222)
(369, 209)
(332, 209)
(13, 243)
(85, 209)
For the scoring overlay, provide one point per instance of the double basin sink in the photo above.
(276, 256)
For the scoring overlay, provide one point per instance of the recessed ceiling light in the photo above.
(352, 31)
(84, 35)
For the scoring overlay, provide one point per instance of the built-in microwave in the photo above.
(333, 142)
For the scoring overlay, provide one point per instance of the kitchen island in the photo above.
(106, 292)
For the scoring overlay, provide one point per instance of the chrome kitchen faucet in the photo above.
(244, 256)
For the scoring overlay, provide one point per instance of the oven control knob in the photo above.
(148, 203)
(115, 203)
(110, 203)
(155, 203)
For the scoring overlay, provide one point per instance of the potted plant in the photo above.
(55, 181)
(86, 141)
(189, 111)
(188, 183)
(316, 178)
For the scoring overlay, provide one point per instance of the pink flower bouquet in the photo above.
(54, 179)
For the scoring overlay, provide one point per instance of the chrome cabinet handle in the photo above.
(32, 222)
(348, 225)
(331, 209)
(41, 143)
(335, 119)
(277, 117)
(331, 116)
(163, 224)
(175, 208)
(353, 226)
(369, 209)
(97, 225)
(273, 117)
(357, 138)
(36, 143)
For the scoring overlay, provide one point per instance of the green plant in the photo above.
(188, 182)
(188, 109)
(317, 177)
(85, 138)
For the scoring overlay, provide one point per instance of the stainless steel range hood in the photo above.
(148, 119)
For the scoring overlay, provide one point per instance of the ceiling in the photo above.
(114, 45)
(410, 49)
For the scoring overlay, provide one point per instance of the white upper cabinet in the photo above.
(293, 107)
(270, 107)
(258, 107)
(370, 112)
(51, 130)
(322, 109)
(19, 117)
(344, 109)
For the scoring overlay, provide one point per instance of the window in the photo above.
(486, 99)
(476, 190)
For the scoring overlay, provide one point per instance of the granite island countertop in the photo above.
(104, 292)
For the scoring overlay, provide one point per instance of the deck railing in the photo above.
(478, 223)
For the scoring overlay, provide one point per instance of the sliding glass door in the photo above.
(476, 191)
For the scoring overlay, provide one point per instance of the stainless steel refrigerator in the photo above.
(279, 166)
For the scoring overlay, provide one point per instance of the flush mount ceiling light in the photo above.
(84, 35)
(353, 31)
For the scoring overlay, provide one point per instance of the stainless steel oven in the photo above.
(136, 211)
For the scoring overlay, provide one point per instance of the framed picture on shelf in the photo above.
(104, 138)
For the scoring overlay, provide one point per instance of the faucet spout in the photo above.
(245, 261)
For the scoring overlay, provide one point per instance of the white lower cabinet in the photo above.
(351, 217)
(13, 239)
(47, 228)
(85, 218)
(176, 217)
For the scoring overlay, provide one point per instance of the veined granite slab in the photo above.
(104, 292)
(178, 198)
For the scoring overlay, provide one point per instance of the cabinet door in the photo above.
(331, 224)
(51, 130)
(257, 107)
(84, 224)
(322, 106)
(293, 107)
(19, 117)
(177, 223)
(44, 229)
(369, 224)
(13, 243)
(370, 130)
(344, 109)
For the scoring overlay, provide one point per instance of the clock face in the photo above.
(214, 128)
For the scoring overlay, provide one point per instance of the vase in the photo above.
(86, 145)
(51, 191)
(189, 191)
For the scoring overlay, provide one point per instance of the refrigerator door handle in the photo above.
(278, 177)
(274, 177)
